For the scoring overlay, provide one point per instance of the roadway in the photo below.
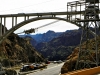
(52, 69)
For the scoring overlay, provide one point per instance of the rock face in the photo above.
(32, 41)
(61, 47)
(55, 46)
(46, 37)
(70, 62)
(15, 49)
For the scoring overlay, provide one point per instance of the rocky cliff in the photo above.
(15, 50)
(45, 37)
(70, 62)
(60, 47)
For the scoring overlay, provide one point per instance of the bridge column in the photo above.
(12, 21)
(0, 26)
(15, 20)
(4, 29)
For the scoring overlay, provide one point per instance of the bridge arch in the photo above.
(26, 22)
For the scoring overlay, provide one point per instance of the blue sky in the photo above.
(36, 6)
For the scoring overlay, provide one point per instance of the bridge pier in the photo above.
(1, 26)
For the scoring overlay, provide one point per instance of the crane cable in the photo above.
(33, 29)
(46, 24)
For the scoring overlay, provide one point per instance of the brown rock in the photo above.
(69, 65)
(15, 50)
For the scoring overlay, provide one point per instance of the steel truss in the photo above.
(89, 20)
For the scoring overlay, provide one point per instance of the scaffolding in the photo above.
(86, 13)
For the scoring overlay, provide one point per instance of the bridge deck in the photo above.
(41, 14)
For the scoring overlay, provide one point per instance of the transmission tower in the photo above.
(89, 21)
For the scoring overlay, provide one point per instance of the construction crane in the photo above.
(32, 30)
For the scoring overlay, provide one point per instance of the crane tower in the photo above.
(88, 54)
(86, 14)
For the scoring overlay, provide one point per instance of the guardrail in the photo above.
(91, 71)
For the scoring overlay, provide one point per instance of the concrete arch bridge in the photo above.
(27, 18)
